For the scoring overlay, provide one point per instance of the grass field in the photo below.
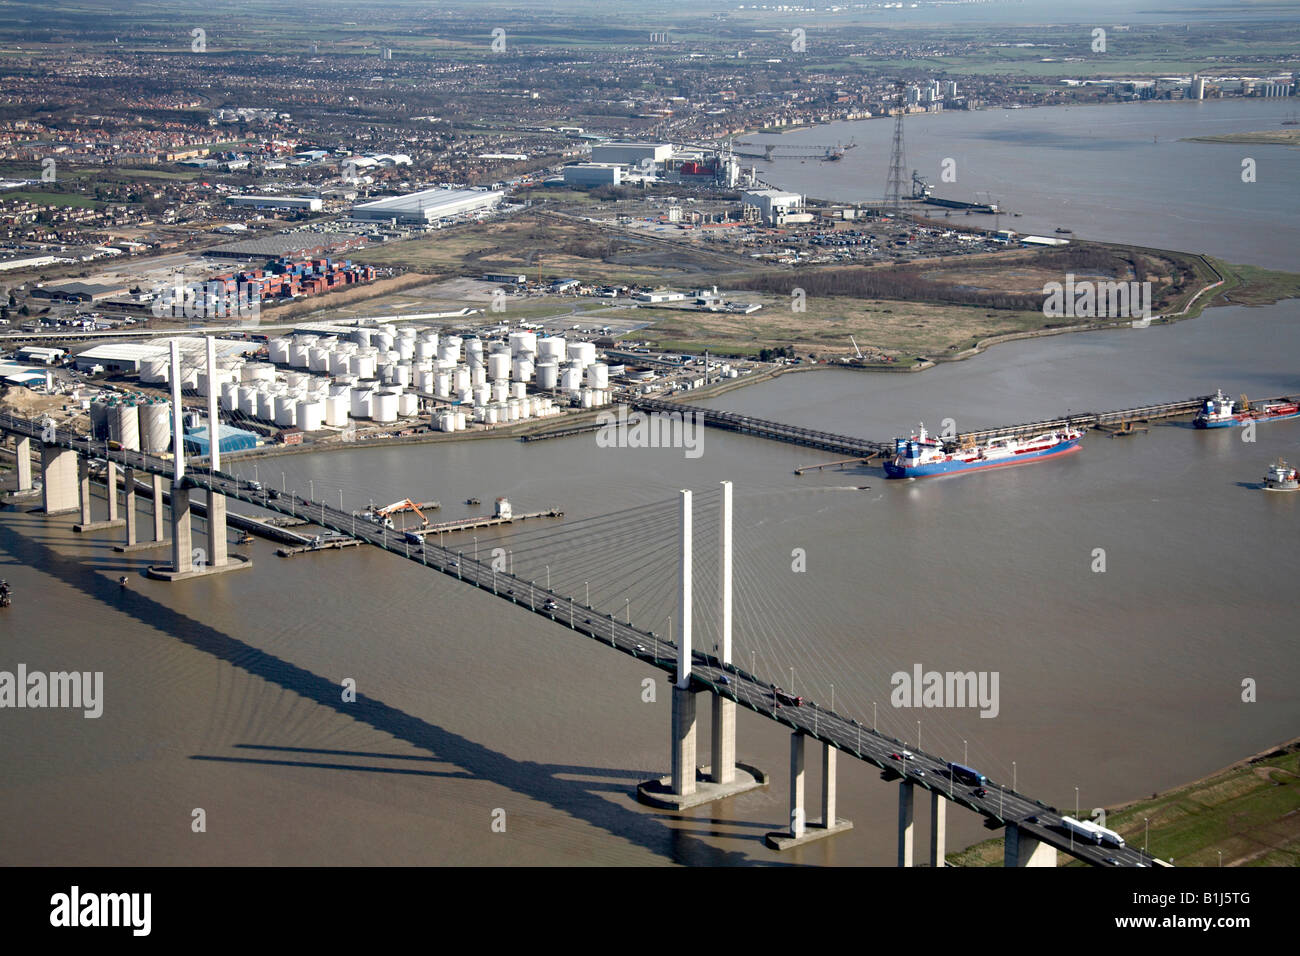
(902, 330)
(521, 245)
(1250, 812)
(42, 198)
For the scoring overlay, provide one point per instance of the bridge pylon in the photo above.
(689, 785)
(187, 561)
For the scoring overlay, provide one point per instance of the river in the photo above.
(228, 695)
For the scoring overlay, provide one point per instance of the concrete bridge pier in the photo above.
(938, 828)
(683, 741)
(905, 823)
(23, 455)
(1021, 849)
(128, 505)
(801, 831)
(110, 485)
(59, 468)
(157, 509)
(133, 543)
(23, 485)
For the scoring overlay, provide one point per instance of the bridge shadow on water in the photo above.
(545, 783)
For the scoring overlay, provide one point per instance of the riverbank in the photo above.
(1248, 811)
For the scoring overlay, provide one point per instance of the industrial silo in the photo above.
(124, 425)
(548, 375)
(155, 427)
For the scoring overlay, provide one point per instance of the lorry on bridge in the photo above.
(1082, 829)
(967, 775)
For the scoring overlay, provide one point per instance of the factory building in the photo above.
(428, 205)
(630, 154)
(593, 174)
(294, 203)
(774, 206)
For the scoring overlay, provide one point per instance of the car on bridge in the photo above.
(783, 698)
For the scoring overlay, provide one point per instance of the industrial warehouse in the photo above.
(427, 206)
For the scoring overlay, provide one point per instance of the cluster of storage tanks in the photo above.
(382, 370)
(135, 422)
(379, 374)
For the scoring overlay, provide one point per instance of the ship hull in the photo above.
(1242, 418)
(957, 466)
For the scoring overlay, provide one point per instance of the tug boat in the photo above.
(1281, 477)
(1220, 411)
(921, 456)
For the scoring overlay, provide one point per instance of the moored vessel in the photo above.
(921, 456)
(1219, 411)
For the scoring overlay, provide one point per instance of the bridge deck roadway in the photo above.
(1000, 805)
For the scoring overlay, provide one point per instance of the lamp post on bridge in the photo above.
(548, 577)
(475, 545)
(965, 754)
(587, 591)
(1013, 777)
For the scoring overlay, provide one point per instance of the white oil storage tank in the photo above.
(522, 342)
(278, 349)
(598, 375)
(265, 405)
(286, 410)
(154, 371)
(336, 411)
(548, 375)
(156, 427)
(551, 349)
(498, 366)
(362, 402)
(310, 416)
(408, 404)
(384, 407)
